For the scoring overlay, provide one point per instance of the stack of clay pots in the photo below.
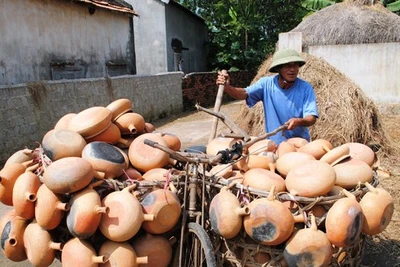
(300, 172)
(62, 206)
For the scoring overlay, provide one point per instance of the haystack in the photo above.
(346, 114)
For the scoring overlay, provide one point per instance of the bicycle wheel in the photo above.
(197, 248)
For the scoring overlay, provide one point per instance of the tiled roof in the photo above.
(114, 5)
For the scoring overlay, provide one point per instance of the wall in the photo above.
(39, 38)
(28, 111)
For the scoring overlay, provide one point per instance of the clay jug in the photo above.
(39, 246)
(119, 107)
(63, 122)
(173, 141)
(130, 123)
(105, 158)
(84, 215)
(131, 173)
(49, 208)
(262, 160)
(297, 142)
(68, 175)
(111, 135)
(221, 170)
(120, 254)
(80, 252)
(308, 247)
(270, 222)
(344, 221)
(291, 160)
(283, 148)
(91, 121)
(336, 155)
(350, 172)
(316, 148)
(226, 214)
(59, 144)
(144, 157)
(156, 247)
(24, 194)
(220, 143)
(362, 152)
(236, 176)
(263, 179)
(124, 215)
(21, 156)
(8, 176)
(313, 178)
(377, 206)
(262, 146)
(166, 208)
(149, 128)
(12, 229)
(156, 174)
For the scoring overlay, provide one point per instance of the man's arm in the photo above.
(306, 121)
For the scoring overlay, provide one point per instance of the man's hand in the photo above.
(293, 123)
(223, 79)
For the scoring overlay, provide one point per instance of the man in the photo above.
(287, 99)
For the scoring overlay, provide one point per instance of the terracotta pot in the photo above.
(105, 158)
(39, 246)
(336, 155)
(237, 176)
(166, 208)
(148, 127)
(8, 176)
(21, 156)
(91, 122)
(144, 157)
(283, 148)
(130, 123)
(85, 212)
(362, 152)
(313, 178)
(220, 143)
(156, 247)
(226, 214)
(120, 254)
(49, 208)
(310, 246)
(173, 141)
(262, 160)
(344, 221)
(270, 222)
(12, 228)
(156, 174)
(290, 160)
(24, 194)
(111, 135)
(59, 144)
(297, 142)
(316, 148)
(68, 175)
(377, 206)
(63, 122)
(262, 146)
(119, 107)
(79, 252)
(131, 173)
(352, 171)
(124, 215)
(263, 179)
(221, 170)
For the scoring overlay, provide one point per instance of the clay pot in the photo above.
(124, 215)
(156, 174)
(377, 206)
(220, 143)
(68, 175)
(290, 160)
(144, 157)
(362, 152)
(308, 247)
(344, 221)
(237, 176)
(297, 142)
(173, 141)
(12, 228)
(263, 179)
(119, 107)
(226, 214)
(148, 127)
(24, 194)
(21, 156)
(270, 222)
(105, 158)
(352, 171)
(166, 208)
(316, 148)
(59, 144)
(262, 160)
(313, 178)
(91, 122)
(79, 252)
(85, 212)
(221, 170)
(39, 246)
(131, 173)
(262, 146)
(120, 254)
(8, 176)
(283, 148)
(49, 208)
(130, 123)
(156, 247)
(336, 155)
(63, 122)
(111, 135)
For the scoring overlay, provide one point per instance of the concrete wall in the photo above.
(28, 111)
(39, 38)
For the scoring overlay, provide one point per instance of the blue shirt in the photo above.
(282, 104)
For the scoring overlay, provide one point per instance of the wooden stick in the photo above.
(217, 107)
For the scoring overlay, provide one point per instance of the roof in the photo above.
(113, 5)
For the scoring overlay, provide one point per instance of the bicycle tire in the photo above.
(205, 250)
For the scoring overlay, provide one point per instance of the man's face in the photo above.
(290, 71)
